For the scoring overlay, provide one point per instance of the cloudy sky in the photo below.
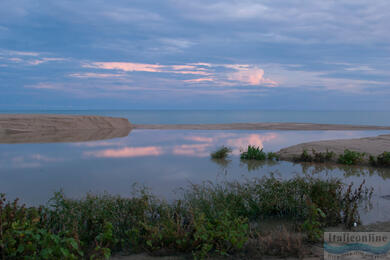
(199, 54)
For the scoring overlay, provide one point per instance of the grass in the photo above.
(221, 153)
(209, 219)
(351, 157)
(253, 153)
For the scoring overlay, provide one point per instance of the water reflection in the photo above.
(166, 160)
(61, 136)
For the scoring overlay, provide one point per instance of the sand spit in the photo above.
(34, 128)
(370, 145)
(40, 122)
(259, 126)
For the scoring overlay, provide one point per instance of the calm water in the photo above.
(165, 160)
(234, 116)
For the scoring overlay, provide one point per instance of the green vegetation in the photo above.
(315, 156)
(253, 153)
(221, 153)
(351, 157)
(382, 160)
(273, 156)
(210, 219)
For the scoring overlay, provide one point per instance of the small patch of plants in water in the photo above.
(209, 219)
(382, 160)
(253, 153)
(315, 156)
(273, 156)
(351, 157)
(221, 153)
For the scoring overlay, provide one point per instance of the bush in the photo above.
(351, 157)
(273, 156)
(210, 219)
(221, 153)
(315, 156)
(253, 153)
(23, 235)
(382, 160)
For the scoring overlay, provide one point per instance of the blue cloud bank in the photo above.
(174, 54)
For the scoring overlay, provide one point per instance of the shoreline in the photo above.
(367, 145)
(259, 126)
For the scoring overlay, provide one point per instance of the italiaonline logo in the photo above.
(357, 245)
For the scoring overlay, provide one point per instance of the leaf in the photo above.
(65, 252)
(74, 244)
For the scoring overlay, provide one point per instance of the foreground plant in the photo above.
(210, 219)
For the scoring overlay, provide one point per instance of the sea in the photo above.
(166, 161)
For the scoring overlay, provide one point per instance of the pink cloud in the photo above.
(130, 67)
(198, 150)
(213, 74)
(126, 66)
(200, 80)
(252, 139)
(127, 152)
(252, 76)
(199, 139)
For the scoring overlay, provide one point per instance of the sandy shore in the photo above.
(259, 126)
(34, 128)
(369, 145)
(41, 122)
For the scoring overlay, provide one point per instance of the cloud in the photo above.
(217, 74)
(198, 150)
(27, 58)
(252, 77)
(88, 75)
(127, 152)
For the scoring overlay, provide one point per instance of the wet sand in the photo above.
(369, 145)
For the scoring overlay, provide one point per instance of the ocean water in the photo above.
(167, 160)
(232, 116)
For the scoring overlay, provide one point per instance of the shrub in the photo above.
(210, 219)
(273, 156)
(221, 153)
(315, 156)
(382, 160)
(223, 234)
(23, 235)
(253, 153)
(304, 157)
(351, 157)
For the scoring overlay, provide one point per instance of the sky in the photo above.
(199, 54)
